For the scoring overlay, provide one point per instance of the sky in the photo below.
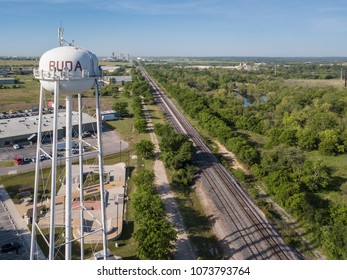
(271, 28)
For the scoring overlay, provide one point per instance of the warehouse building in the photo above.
(24, 130)
(117, 79)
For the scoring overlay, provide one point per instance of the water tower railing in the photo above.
(61, 75)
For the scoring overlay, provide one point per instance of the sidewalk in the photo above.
(20, 223)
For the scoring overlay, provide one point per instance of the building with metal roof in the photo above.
(22, 130)
(117, 79)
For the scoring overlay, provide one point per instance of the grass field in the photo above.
(256, 138)
(20, 62)
(20, 98)
(116, 63)
(314, 83)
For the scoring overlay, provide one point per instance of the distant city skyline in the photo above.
(273, 28)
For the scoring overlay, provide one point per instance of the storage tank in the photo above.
(74, 67)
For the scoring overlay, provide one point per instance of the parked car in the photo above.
(16, 147)
(26, 160)
(86, 134)
(10, 247)
(18, 161)
(42, 157)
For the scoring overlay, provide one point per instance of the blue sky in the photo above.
(177, 27)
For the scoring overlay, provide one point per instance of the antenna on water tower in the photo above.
(60, 35)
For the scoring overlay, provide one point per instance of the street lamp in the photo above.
(116, 203)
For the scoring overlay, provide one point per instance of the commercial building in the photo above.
(110, 69)
(23, 129)
(117, 79)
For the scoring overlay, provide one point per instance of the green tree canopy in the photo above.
(140, 125)
(121, 108)
(155, 240)
(335, 235)
(144, 179)
(147, 206)
(145, 149)
(329, 142)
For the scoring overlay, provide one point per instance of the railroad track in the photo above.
(250, 236)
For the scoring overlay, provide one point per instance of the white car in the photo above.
(42, 157)
(16, 147)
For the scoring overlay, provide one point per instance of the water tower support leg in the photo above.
(80, 132)
(101, 170)
(37, 173)
(68, 179)
(54, 171)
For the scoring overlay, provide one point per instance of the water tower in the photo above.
(67, 71)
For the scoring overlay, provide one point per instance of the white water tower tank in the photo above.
(75, 68)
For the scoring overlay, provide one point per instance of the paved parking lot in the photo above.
(9, 232)
(112, 144)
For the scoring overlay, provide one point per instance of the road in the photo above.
(242, 228)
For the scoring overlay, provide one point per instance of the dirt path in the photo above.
(230, 157)
(184, 248)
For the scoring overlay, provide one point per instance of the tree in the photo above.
(144, 180)
(172, 142)
(315, 176)
(155, 240)
(140, 125)
(147, 206)
(335, 235)
(329, 142)
(177, 159)
(163, 129)
(248, 155)
(145, 149)
(183, 178)
(110, 89)
(275, 180)
(297, 203)
(288, 136)
(155, 236)
(307, 139)
(121, 108)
